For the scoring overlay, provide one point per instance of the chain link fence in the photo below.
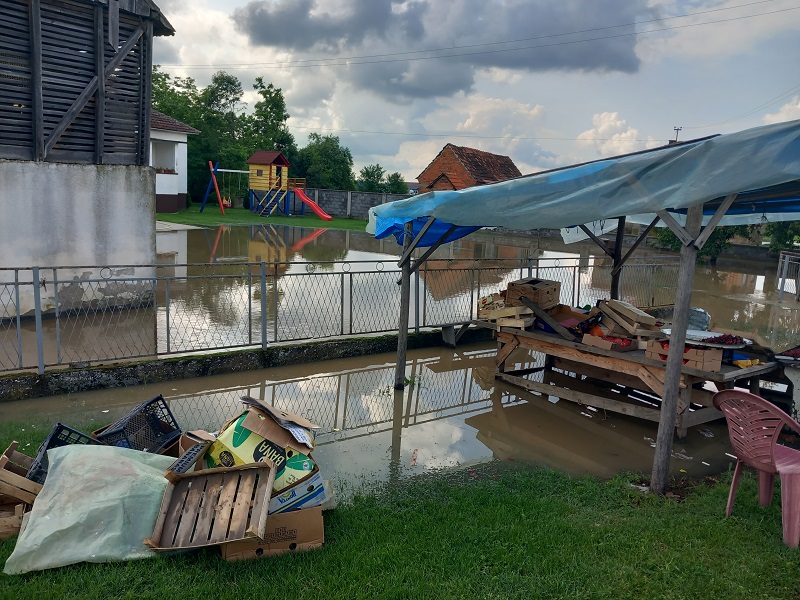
(74, 315)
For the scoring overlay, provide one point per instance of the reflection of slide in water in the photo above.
(308, 238)
(313, 205)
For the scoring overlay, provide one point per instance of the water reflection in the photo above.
(452, 413)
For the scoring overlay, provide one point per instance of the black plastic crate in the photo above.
(149, 427)
(60, 436)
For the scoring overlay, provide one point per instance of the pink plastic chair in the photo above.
(754, 425)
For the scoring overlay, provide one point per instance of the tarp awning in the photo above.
(761, 164)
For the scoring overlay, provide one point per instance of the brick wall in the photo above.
(446, 162)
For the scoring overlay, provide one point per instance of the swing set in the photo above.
(224, 198)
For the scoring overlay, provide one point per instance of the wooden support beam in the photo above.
(615, 274)
(596, 240)
(402, 326)
(680, 321)
(676, 228)
(557, 327)
(147, 100)
(100, 97)
(510, 344)
(36, 80)
(407, 255)
(432, 249)
(709, 228)
(639, 240)
(80, 102)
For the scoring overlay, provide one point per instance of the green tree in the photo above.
(371, 179)
(782, 235)
(395, 184)
(267, 129)
(326, 164)
(719, 240)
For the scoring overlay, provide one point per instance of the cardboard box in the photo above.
(598, 342)
(543, 292)
(571, 318)
(704, 359)
(256, 435)
(309, 492)
(285, 532)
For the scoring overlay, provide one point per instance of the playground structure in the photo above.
(270, 190)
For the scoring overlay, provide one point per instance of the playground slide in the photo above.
(313, 205)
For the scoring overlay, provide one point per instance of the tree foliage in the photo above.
(719, 240)
(782, 235)
(373, 178)
(326, 164)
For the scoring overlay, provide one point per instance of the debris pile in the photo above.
(252, 488)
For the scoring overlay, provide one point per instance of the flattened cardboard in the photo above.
(286, 532)
(310, 491)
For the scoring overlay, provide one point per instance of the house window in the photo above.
(163, 157)
(259, 172)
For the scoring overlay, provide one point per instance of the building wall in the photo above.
(171, 188)
(66, 214)
(445, 163)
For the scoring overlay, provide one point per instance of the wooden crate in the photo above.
(214, 506)
(14, 486)
(704, 359)
(11, 520)
(543, 292)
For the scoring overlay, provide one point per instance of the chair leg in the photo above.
(737, 473)
(766, 488)
(790, 508)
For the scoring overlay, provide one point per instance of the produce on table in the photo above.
(620, 341)
(793, 353)
(726, 339)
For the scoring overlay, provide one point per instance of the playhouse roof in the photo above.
(761, 165)
(162, 122)
(268, 157)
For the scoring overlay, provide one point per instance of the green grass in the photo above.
(502, 530)
(211, 217)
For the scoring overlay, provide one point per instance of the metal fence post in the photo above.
(249, 305)
(784, 273)
(19, 318)
(264, 306)
(166, 309)
(530, 266)
(275, 302)
(416, 301)
(342, 303)
(58, 316)
(37, 306)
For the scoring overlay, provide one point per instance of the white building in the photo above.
(168, 155)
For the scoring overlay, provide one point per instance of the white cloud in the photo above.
(611, 135)
(788, 112)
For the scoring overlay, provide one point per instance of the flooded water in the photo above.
(454, 412)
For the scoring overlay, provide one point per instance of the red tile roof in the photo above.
(162, 122)
(268, 157)
(486, 167)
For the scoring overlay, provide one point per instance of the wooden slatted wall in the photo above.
(16, 97)
(113, 125)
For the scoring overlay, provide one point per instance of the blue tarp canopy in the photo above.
(761, 165)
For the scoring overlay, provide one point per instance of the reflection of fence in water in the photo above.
(359, 402)
(234, 305)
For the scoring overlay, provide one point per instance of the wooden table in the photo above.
(593, 376)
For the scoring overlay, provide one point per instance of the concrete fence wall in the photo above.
(341, 203)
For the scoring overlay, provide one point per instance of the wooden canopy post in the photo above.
(616, 274)
(405, 302)
(680, 320)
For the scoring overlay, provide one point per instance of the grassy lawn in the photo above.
(500, 530)
(211, 217)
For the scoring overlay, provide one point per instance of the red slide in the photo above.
(313, 205)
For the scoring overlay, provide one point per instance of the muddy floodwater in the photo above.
(453, 412)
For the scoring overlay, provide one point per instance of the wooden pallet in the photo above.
(14, 486)
(11, 520)
(214, 506)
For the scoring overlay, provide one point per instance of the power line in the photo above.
(281, 64)
(464, 135)
(348, 62)
(782, 96)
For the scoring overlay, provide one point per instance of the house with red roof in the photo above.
(458, 167)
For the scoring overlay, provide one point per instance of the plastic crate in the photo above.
(148, 427)
(60, 436)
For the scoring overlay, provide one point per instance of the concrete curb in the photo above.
(69, 381)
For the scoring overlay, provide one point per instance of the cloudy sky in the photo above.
(546, 82)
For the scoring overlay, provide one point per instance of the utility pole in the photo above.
(677, 131)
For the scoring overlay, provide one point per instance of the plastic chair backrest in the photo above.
(754, 425)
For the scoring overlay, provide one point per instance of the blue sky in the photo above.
(546, 82)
